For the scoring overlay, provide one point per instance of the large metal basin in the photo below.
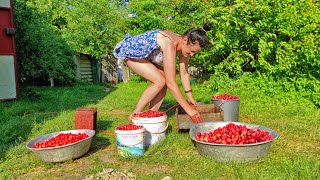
(231, 153)
(62, 153)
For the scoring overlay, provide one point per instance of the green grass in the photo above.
(294, 155)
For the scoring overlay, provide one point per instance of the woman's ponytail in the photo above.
(207, 26)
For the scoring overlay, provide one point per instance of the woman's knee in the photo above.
(160, 82)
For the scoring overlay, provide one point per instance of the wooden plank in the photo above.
(86, 72)
(109, 67)
(85, 69)
(85, 65)
(87, 80)
(209, 112)
(82, 67)
(86, 76)
(125, 73)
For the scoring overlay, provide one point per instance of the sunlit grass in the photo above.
(294, 155)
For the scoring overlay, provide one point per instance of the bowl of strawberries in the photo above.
(62, 146)
(232, 141)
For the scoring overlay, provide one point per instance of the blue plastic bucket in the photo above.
(130, 143)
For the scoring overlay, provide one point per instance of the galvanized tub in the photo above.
(62, 153)
(230, 109)
(229, 152)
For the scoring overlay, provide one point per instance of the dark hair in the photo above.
(199, 34)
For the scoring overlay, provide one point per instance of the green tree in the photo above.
(41, 52)
(91, 27)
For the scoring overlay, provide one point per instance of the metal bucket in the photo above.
(65, 152)
(231, 152)
(230, 109)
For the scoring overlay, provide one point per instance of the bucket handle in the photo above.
(221, 104)
(161, 131)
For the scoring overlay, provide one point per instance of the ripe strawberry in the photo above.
(234, 134)
(225, 97)
(149, 114)
(129, 127)
(62, 139)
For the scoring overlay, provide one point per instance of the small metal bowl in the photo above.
(231, 152)
(65, 152)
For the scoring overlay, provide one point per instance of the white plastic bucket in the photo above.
(130, 142)
(155, 128)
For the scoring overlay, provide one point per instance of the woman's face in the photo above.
(190, 49)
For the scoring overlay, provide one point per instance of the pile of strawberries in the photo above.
(234, 134)
(62, 139)
(149, 114)
(225, 97)
(129, 127)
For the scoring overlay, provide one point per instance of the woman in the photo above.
(152, 55)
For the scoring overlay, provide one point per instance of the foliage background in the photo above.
(270, 42)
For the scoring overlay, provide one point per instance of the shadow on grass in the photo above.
(97, 144)
(104, 125)
(37, 105)
(98, 141)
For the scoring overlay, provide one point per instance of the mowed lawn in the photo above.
(41, 110)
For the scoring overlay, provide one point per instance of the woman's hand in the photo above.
(195, 116)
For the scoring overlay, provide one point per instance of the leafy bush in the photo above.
(263, 87)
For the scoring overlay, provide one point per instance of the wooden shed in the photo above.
(108, 69)
(8, 61)
(86, 68)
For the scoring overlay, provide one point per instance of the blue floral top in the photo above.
(141, 46)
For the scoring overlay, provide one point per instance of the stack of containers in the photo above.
(155, 124)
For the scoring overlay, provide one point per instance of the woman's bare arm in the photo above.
(169, 55)
(185, 78)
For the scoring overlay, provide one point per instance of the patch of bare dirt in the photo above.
(110, 174)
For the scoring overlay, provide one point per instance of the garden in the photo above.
(294, 154)
(265, 53)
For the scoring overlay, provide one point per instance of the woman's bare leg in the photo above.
(158, 99)
(150, 72)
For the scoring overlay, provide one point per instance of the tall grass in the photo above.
(294, 155)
